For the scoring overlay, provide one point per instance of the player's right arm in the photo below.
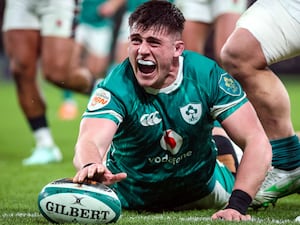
(94, 139)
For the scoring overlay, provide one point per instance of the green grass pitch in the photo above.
(19, 185)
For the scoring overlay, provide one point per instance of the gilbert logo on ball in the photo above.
(63, 201)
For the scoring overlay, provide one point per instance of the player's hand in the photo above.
(98, 172)
(107, 9)
(230, 215)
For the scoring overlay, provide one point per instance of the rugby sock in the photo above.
(43, 137)
(41, 132)
(67, 95)
(286, 153)
(38, 122)
(226, 152)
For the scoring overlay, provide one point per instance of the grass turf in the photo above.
(20, 185)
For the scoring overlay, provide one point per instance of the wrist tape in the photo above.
(240, 201)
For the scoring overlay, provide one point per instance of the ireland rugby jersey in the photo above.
(164, 140)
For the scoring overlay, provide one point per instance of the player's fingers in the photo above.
(246, 217)
(88, 172)
(113, 178)
(218, 215)
(229, 215)
(80, 176)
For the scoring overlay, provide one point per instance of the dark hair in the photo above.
(160, 15)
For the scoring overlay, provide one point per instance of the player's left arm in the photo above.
(245, 129)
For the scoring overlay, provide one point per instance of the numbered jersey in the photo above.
(164, 141)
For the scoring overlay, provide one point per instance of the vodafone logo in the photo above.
(99, 99)
(171, 141)
(150, 119)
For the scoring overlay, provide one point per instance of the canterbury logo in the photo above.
(150, 119)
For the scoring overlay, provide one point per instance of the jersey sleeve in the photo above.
(102, 104)
(111, 98)
(227, 94)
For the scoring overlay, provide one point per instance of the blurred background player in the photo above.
(260, 40)
(39, 31)
(68, 109)
(121, 47)
(93, 44)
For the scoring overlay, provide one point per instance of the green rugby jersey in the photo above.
(164, 141)
(90, 15)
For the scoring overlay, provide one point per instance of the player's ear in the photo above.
(179, 47)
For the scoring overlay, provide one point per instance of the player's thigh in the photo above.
(56, 29)
(76, 59)
(97, 65)
(195, 35)
(261, 20)
(223, 27)
(22, 48)
(56, 57)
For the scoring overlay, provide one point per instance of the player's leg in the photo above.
(98, 56)
(122, 42)
(57, 47)
(224, 25)
(22, 48)
(246, 56)
(22, 43)
(225, 14)
(198, 24)
(68, 108)
(56, 59)
(195, 35)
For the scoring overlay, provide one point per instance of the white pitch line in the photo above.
(153, 218)
(199, 219)
(22, 215)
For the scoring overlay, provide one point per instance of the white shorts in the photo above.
(97, 40)
(51, 17)
(208, 10)
(276, 30)
(124, 31)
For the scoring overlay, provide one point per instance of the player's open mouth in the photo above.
(146, 66)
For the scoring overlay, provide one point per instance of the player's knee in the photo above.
(229, 58)
(235, 64)
(22, 70)
(56, 74)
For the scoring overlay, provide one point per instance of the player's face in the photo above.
(152, 55)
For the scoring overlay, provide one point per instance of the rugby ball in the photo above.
(63, 201)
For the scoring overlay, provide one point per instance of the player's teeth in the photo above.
(146, 63)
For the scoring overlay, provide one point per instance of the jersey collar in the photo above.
(172, 87)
